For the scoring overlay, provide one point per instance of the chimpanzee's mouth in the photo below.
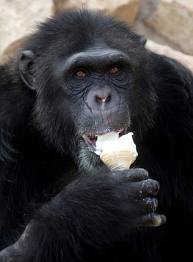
(91, 139)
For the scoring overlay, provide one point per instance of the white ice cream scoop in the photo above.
(116, 152)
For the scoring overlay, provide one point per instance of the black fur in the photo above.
(75, 209)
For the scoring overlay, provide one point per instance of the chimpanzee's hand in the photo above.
(107, 206)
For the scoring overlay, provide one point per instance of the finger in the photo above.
(150, 204)
(148, 187)
(152, 220)
(137, 174)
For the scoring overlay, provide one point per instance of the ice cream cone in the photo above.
(118, 160)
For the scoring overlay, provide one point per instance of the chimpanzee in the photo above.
(81, 75)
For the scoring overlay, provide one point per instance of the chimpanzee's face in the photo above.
(97, 83)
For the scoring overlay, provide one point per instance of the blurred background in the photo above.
(167, 24)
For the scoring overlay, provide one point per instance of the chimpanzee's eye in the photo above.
(81, 73)
(114, 70)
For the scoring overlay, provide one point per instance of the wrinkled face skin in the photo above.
(87, 88)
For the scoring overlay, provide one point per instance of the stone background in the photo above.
(167, 24)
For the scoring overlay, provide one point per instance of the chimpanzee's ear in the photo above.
(25, 68)
(142, 40)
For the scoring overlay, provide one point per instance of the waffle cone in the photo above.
(119, 160)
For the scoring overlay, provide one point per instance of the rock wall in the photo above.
(173, 19)
(19, 17)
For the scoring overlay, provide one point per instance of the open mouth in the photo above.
(91, 139)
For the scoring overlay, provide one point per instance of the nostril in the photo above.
(108, 98)
(102, 99)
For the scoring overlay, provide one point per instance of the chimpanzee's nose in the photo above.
(102, 98)
(98, 97)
